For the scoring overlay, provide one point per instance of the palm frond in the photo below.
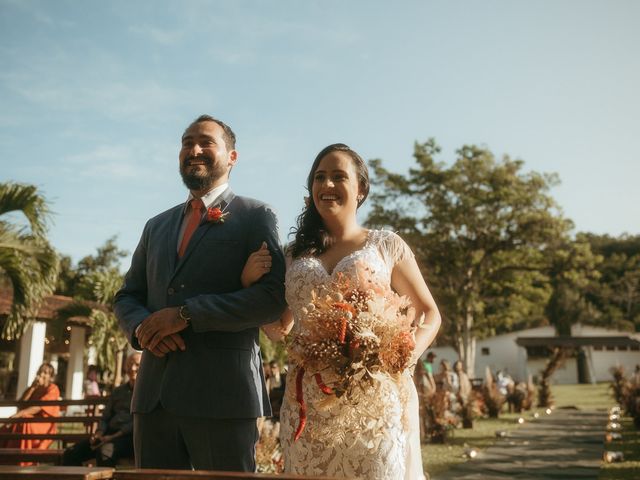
(31, 266)
(107, 338)
(26, 199)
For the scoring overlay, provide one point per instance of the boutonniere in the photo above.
(215, 215)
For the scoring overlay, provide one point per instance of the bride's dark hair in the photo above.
(311, 236)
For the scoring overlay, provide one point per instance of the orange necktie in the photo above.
(195, 215)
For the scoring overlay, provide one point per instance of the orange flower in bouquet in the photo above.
(353, 330)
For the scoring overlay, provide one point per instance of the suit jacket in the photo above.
(219, 375)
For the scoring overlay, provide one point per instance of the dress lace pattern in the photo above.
(374, 433)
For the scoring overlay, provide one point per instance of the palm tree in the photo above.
(106, 336)
(27, 261)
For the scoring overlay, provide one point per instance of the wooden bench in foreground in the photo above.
(47, 472)
(150, 474)
(86, 422)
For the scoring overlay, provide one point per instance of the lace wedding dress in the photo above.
(373, 434)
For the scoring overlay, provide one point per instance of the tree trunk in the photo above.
(118, 373)
(466, 345)
(545, 399)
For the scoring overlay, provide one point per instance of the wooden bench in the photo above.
(47, 472)
(86, 423)
(152, 474)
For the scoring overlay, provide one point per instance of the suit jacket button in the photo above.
(171, 291)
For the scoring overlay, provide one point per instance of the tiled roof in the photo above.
(47, 310)
(568, 341)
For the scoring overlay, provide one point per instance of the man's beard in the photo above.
(197, 181)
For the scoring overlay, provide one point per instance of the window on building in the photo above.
(538, 351)
(485, 351)
(623, 348)
(635, 348)
(610, 348)
(597, 347)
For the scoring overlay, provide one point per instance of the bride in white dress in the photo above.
(372, 432)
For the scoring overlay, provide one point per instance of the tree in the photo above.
(27, 261)
(482, 230)
(616, 297)
(72, 281)
(572, 275)
(94, 284)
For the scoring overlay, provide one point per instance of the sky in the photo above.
(94, 97)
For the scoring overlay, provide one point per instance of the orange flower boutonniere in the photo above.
(215, 215)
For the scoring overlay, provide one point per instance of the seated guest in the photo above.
(42, 388)
(114, 438)
(464, 384)
(91, 387)
(276, 389)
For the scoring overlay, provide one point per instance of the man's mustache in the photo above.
(199, 159)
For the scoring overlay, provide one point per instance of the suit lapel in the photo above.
(221, 202)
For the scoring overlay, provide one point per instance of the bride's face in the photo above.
(335, 185)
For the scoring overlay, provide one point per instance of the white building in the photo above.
(523, 353)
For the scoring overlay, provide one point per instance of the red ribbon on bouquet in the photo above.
(303, 406)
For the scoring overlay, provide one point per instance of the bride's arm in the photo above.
(406, 279)
(276, 331)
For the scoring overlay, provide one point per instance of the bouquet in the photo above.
(353, 331)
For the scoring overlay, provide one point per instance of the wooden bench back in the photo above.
(47, 472)
(88, 421)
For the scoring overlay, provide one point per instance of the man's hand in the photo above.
(159, 325)
(170, 343)
(96, 438)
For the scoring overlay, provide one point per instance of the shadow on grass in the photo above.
(438, 458)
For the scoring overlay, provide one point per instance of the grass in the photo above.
(584, 397)
(630, 447)
(439, 458)
(598, 397)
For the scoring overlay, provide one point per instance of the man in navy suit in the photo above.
(200, 386)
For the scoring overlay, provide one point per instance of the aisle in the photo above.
(567, 444)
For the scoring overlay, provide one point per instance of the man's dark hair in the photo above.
(228, 135)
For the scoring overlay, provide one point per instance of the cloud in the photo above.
(120, 162)
(62, 89)
(35, 11)
(158, 35)
(112, 98)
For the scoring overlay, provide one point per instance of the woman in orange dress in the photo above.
(42, 388)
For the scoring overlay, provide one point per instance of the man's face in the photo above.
(204, 159)
(132, 370)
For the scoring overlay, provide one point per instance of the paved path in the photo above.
(567, 444)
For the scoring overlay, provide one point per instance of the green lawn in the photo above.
(630, 447)
(439, 458)
(584, 397)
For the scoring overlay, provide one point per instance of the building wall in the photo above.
(566, 374)
(603, 359)
(502, 353)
